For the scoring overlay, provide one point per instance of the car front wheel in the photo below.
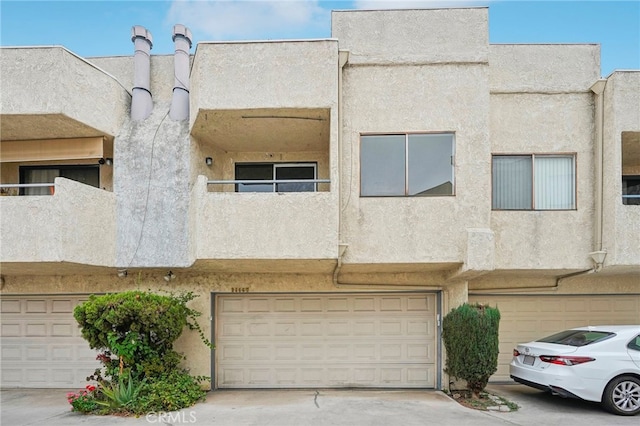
(622, 396)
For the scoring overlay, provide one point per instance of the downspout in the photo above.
(599, 254)
(141, 101)
(180, 100)
(343, 57)
(554, 287)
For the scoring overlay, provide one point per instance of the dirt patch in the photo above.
(485, 401)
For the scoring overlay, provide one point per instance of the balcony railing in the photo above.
(272, 182)
(19, 186)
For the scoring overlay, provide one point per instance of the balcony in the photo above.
(72, 231)
(295, 232)
(67, 96)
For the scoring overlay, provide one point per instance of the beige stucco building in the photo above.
(329, 201)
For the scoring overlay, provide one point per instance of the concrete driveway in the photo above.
(21, 407)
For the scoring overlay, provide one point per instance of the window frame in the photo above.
(634, 343)
(633, 201)
(274, 167)
(23, 170)
(574, 157)
(407, 156)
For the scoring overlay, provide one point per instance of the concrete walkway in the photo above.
(22, 407)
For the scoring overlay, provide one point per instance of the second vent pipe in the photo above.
(141, 101)
(180, 100)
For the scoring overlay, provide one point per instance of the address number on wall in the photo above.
(240, 290)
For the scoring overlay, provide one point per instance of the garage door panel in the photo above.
(10, 306)
(528, 317)
(10, 329)
(352, 375)
(41, 343)
(326, 340)
(36, 306)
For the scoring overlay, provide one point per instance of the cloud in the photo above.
(250, 20)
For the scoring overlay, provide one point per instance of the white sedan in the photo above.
(595, 363)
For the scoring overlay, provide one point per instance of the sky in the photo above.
(103, 28)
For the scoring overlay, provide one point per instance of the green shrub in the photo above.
(138, 328)
(173, 392)
(135, 332)
(470, 335)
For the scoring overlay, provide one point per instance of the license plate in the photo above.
(528, 360)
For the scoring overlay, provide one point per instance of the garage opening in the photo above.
(325, 340)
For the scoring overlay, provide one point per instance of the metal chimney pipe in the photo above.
(141, 102)
(180, 100)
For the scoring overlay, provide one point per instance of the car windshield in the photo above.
(576, 337)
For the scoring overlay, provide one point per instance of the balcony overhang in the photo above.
(52, 150)
(264, 130)
(19, 127)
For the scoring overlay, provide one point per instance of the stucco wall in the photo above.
(545, 124)
(65, 84)
(541, 104)
(264, 75)
(591, 283)
(233, 225)
(161, 77)
(412, 36)
(76, 224)
(621, 233)
(152, 187)
(425, 82)
(543, 68)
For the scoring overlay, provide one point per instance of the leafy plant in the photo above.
(83, 401)
(134, 332)
(139, 328)
(120, 395)
(173, 392)
(470, 335)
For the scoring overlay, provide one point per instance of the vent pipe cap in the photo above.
(181, 30)
(139, 31)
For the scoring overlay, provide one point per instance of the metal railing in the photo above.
(9, 188)
(26, 185)
(274, 182)
(266, 181)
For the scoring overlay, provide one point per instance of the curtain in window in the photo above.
(554, 182)
(512, 185)
(40, 176)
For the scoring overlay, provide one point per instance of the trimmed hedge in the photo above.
(470, 335)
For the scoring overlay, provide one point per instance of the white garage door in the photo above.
(525, 318)
(326, 340)
(41, 343)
